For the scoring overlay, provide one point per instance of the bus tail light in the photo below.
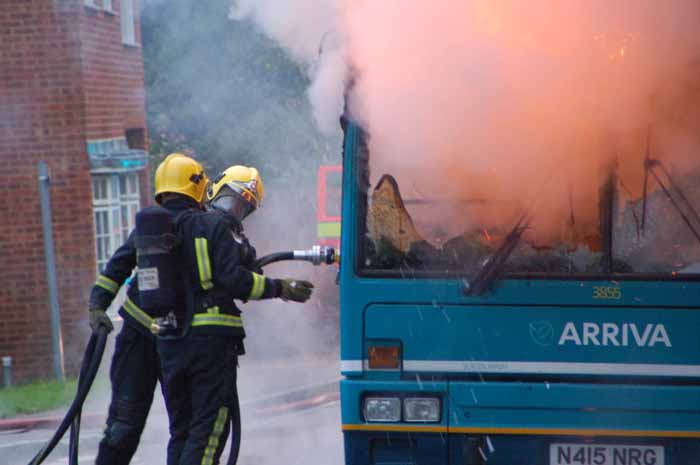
(384, 357)
(421, 409)
(385, 409)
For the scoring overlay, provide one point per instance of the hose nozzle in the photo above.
(318, 254)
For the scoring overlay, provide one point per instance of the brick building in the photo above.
(72, 95)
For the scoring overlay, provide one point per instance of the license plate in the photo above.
(605, 454)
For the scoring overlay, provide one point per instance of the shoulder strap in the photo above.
(230, 221)
(182, 216)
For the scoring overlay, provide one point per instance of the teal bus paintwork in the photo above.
(533, 363)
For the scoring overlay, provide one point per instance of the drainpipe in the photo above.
(7, 371)
(56, 339)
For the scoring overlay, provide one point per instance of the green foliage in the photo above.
(36, 397)
(220, 90)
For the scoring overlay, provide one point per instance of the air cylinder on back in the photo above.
(157, 259)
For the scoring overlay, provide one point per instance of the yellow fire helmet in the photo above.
(238, 191)
(180, 174)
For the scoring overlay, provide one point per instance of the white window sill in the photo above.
(131, 44)
(110, 13)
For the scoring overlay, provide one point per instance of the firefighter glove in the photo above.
(99, 318)
(295, 290)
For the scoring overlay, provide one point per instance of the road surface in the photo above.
(280, 425)
(310, 436)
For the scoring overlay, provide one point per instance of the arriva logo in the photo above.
(613, 334)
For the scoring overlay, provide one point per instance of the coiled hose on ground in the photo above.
(91, 363)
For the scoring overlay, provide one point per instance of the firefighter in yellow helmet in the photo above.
(180, 185)
(199, 371)
(180, 174)
(238, 192)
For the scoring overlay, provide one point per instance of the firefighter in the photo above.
(199, 370)
(180, 185)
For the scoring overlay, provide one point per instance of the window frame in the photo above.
(361, 165)
(129, 202)
(108, 6)
(128, 22)
(105, 206)
(114, 211)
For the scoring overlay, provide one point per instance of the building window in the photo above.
(115, 199)
(127, 19)
(129, 201)
(107, 5)
(90, 3)
(135, 138)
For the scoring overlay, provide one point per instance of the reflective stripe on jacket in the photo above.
(118, 269)
(219, 274)
(212, 265)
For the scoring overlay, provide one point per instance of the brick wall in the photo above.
(42, 118)
(113, 79)
(53, 97)
(112, 74)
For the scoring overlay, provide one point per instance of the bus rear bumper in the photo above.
(525, 424)
(410, 448)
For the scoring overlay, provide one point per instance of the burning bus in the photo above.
(468, 340)
(520, 270)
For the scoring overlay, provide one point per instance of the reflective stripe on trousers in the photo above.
(213, 443)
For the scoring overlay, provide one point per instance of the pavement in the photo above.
(290, 413)
(310, 437)
(262, 392)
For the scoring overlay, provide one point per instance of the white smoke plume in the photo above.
(505, 99)
(309, 31)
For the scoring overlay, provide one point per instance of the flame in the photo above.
(487, 235)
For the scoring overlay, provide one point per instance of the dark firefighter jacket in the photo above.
(214, 266)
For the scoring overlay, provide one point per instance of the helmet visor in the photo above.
(234, 204)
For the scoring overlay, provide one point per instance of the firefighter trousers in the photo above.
(134, 372)
(199, 386)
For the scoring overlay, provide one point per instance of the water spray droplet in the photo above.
(420, 314)
(444, 313)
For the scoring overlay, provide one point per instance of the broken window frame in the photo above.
(361, 175)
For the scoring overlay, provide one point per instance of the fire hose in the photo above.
(88, 371)
(95, 349)
(317, 255)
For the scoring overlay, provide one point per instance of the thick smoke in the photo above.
(526, 104)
